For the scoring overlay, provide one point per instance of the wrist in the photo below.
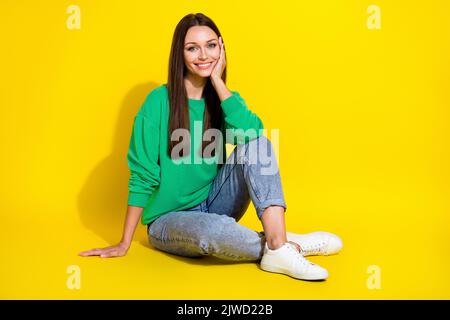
(216, 80)
(125, 243)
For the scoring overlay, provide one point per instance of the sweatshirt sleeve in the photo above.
(143, 152)
(238, 118)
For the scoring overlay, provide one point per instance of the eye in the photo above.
(211, 45)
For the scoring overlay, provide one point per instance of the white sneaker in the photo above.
(288, 260)
(316, 243)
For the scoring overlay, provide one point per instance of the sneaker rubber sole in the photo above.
(308, 276)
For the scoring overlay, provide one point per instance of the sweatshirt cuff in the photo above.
(138, 199)
(230, 104)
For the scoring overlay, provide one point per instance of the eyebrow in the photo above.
(196, 42)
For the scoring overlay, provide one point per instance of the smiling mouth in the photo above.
(203, 65)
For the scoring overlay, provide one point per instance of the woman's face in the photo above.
(201, 51)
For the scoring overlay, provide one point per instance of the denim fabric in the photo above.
(211, 228)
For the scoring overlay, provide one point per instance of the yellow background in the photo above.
(363, 151)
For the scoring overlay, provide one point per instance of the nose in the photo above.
(203, 55)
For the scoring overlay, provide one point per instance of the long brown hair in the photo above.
(178, 99)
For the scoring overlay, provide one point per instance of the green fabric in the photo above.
(157, 183)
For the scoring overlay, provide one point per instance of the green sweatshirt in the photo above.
(159, 184)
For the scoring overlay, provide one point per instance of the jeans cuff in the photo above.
(267, 203)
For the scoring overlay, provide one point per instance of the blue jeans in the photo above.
(211, 228)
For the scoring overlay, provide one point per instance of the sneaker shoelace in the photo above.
(300, 257)
(313, 248)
